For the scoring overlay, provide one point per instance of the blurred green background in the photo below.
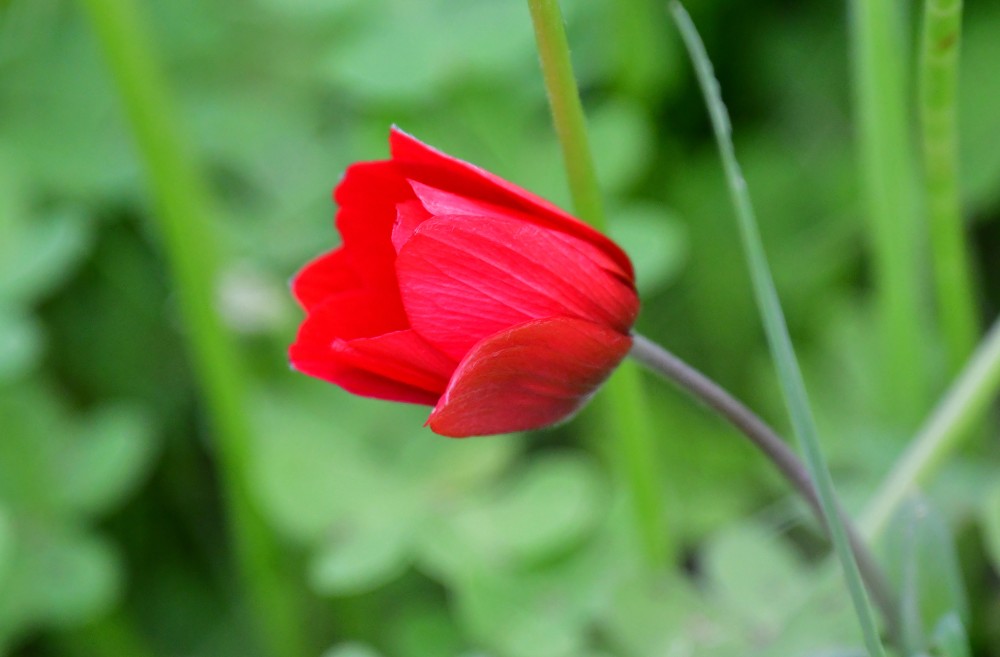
(381, 538)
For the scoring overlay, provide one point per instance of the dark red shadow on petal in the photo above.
(527, 377)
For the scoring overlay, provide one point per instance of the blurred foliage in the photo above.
(405, 544)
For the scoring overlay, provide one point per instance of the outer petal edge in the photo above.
(531, 376)
(463, 178)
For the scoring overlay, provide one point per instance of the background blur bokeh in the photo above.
(392, 541)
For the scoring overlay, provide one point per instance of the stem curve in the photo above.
(662, 362)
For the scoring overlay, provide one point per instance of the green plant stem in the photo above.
(942, 29)
(567, 111)
(662, 362)
(890, 189)
(789, 374)
(966, 402)
(183, 218)
(629, 409)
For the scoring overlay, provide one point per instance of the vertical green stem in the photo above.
(942, 31)
(891, 194)
(789, 374)
(966, 401)
(567, 110)
(630, 412)
(184, 219)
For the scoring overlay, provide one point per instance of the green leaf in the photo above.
(655, 240)
(425, 630)
(111, 454)
(57, 115)
(449, 469)
(621, 135)
(309, 470)
(54, 463)
(748, 565)
(41, 254)
(37, 249)
(989, 516)
(56, 469)
(351, 650)
(950, 638)
(57, 577)
(358, 482)
(760, 592)
(924, 564)
(540, 613)
(651, 616)
(362, 553)
(20, 343)
(390, 57)
(554, 502)
(6, 546)
(551, 504)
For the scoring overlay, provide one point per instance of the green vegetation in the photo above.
(168, 486)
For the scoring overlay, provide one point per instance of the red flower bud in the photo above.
(457, 289)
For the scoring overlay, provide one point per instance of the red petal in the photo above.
(439, 202)
(409, 215)
(348, 319)
(353, 314)
(426, 164)
(367, 197)
(360, 382)
(324, 277)
(528, 377)
(316, 360)
(401, 356)
(464, 278)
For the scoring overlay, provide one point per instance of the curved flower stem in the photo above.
(670, 367)
(624, 390)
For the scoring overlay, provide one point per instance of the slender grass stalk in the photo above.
(942, 29)
(890, 190)
(789, 374)
(965, 403)
(628, 408)
(183, 217)
(662, 362)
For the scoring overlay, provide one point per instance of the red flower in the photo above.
(457, 289)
